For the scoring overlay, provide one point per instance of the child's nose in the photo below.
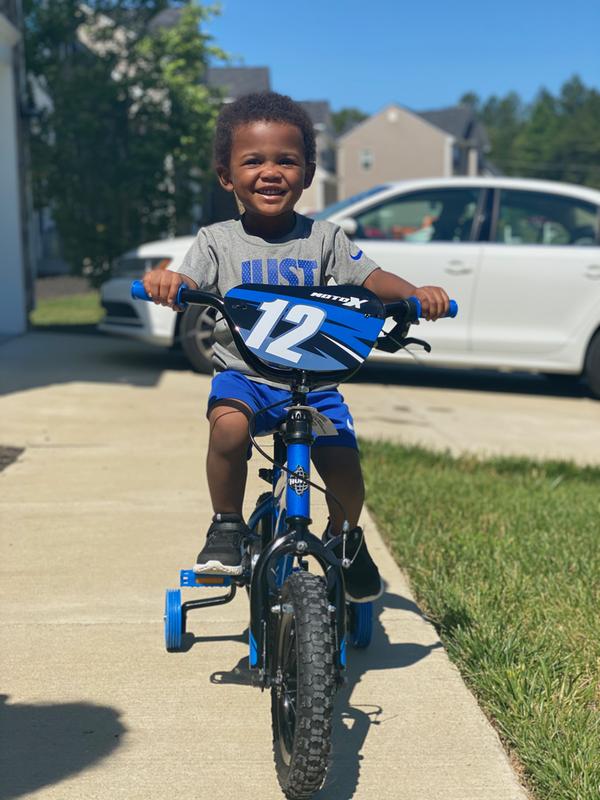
(271, 171)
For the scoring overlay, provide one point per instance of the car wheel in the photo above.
(196, 336)
(592, 365)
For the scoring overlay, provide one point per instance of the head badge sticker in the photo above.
(297, 480)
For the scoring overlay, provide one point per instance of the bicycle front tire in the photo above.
(303, 693)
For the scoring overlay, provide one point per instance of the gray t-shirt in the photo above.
(223, 255)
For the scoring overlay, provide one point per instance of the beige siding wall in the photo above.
(402, 145)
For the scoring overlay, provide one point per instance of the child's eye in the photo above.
(285, 161)
(251, 161)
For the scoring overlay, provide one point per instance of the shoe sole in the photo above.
(215, 567)
(368, 599)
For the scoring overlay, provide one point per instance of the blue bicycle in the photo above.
(300, 621)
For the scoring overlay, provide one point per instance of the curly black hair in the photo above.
(259, 107)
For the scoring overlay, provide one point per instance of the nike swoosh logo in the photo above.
(357, 256)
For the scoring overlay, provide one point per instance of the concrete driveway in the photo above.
(100, 511)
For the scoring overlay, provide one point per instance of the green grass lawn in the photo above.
(75, 309)
(504, 557)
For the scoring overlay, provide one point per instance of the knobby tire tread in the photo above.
(316, 688)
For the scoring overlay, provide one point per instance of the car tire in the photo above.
(196, 336)
(592, 365)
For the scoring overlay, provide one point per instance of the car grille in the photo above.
(121, 313)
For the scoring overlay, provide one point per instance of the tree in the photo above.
(345, 119)
(122, 152)
(560, 140)
(555, 137)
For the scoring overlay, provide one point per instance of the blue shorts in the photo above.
(232, 385)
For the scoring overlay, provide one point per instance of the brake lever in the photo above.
(425, 345)
(389, 343)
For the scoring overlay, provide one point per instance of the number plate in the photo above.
(318, 329)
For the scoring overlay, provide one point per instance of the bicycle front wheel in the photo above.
(303, 693)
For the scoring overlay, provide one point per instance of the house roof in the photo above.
(238, 81)
(459, 121)
(319, 112)
(167, 18)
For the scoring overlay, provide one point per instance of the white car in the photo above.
(521, 257)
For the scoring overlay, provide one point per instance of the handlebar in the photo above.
(410, 308)
(404, 313)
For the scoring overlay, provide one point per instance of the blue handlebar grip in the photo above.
(452, 308)
(138, 292)
(178, 300)
(416, 304)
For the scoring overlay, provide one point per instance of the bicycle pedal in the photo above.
(187, 577)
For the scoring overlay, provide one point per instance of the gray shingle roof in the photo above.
(167, 18)
(237, 81)
(319, 111)
(460, 122)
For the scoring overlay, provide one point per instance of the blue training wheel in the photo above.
(360, 624)
(173, 620)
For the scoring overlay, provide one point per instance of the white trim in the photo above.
(9, 35)
(448, 161)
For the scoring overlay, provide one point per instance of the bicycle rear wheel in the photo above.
(302, 696)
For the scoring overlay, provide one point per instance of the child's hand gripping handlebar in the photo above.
(406, 313)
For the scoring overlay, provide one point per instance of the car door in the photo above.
(539, 276)
(426, 237)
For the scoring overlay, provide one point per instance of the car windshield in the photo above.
(334, 208)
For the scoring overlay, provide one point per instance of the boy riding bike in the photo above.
(265, 153)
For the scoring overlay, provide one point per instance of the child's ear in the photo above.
(224, 178)
(309, 174)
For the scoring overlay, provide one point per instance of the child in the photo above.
(265, 153)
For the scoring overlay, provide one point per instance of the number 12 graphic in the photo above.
(308, 319)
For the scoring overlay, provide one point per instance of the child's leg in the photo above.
(226, 462)
(339, 468)
(226, 471)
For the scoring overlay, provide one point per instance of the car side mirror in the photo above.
(349, 226)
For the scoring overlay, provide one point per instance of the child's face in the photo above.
(267, 169)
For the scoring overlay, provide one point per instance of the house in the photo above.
(324, 189)
(16, 295)
(397, 144)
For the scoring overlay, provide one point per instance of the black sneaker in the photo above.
(222, 552)
(362, 580)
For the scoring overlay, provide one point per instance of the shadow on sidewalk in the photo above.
(352, 723)
(48, 357)
(62, 354)
(472, 380)
(44, 744)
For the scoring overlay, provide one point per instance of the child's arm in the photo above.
(162, 285)
(389, 288)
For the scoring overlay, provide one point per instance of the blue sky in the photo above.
(421, 54)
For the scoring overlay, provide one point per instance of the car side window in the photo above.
(546, 219)
(443, 215)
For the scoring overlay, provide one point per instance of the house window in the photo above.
(366, 158)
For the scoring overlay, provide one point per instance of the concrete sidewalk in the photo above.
(105, 505)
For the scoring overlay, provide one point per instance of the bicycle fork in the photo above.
(298, 542)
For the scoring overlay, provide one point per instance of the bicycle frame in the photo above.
(291, 538)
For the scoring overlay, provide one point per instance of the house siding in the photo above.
(13, 224)
(403, 146)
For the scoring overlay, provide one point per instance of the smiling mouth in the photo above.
(270, 192)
